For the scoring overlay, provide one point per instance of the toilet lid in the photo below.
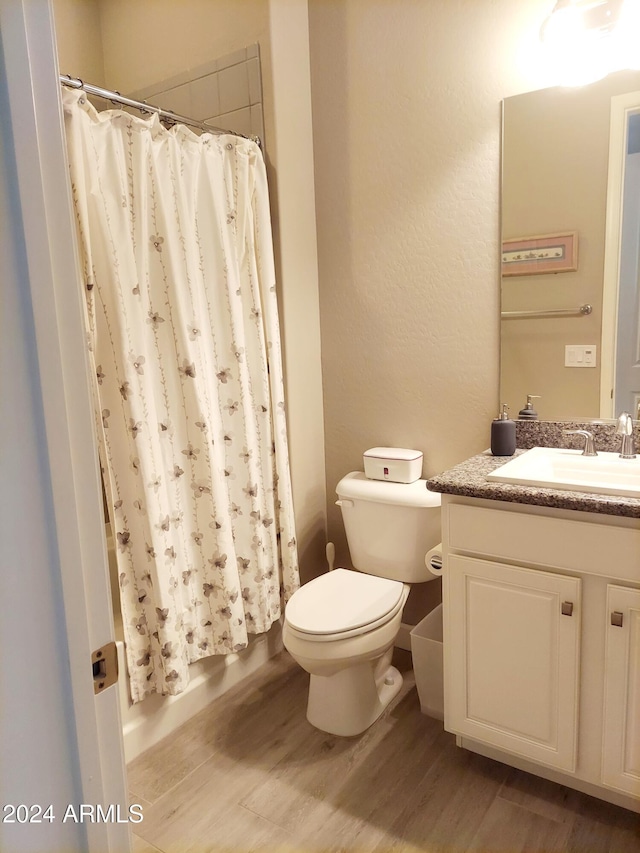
(342, 600)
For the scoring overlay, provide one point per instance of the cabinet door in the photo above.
(621, 728)
(511, 660)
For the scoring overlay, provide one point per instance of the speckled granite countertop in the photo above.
(469, 478)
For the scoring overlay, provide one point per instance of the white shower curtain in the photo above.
(175, 242)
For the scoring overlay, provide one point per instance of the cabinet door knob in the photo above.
(567, 608)
(616, 619)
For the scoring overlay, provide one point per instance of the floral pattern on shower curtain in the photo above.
(175, 244)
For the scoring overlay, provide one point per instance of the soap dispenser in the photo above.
(503, 434)
(529, 413)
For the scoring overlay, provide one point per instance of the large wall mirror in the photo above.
(561, 252)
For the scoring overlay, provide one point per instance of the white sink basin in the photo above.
(556, 468)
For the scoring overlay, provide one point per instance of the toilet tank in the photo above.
(389, 526)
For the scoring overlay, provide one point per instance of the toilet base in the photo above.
(351, 700)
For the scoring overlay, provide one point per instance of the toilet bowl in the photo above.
(341, 626)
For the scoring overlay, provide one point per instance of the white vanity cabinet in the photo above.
(621, 724)
(517, 656)
(539, 672)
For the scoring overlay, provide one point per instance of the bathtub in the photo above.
(147, 722)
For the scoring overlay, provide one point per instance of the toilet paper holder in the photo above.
(436, 562)
(433, 560)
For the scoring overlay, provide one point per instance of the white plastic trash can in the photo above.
(426, 651)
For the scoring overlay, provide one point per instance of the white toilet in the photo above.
(341, 626)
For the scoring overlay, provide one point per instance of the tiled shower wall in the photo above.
(225, 92)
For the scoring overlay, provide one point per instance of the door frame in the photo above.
(28, 38)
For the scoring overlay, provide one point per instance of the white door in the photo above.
(45, 219)
(512, 664)
(621, 727)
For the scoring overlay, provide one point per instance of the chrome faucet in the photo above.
(625, 429)
(589, 445)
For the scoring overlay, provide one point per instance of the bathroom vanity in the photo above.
(541, 594)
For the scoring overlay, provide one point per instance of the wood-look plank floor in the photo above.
(250, 774)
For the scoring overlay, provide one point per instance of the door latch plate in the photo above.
(104, 663)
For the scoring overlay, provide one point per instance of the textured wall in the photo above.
(406, 114)
(150, 40)
(79, 39)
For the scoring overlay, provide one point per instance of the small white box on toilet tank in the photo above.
(396, 464)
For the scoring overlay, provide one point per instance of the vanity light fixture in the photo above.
(594, 15)
(588, 39)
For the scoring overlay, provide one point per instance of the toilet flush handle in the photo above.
(344, 502)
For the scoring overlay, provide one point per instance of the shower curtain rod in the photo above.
(116, 97)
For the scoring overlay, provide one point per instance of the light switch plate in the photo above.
(584, 355)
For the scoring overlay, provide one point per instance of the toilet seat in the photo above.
(342, 604)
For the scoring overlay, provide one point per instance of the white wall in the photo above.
(406, 118)
(145, 41)
(291, 182)
(79, 39)
(38, 757)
